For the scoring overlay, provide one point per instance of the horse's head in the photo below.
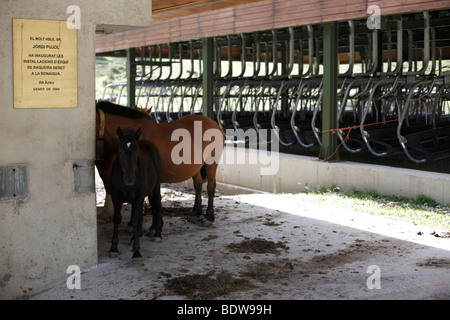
(128, 154)
(144, 110)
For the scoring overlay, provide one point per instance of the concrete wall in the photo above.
(54, 226)
(299, 173)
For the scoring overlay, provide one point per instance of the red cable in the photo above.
(350, 128)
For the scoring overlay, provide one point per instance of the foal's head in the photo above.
(128, 154)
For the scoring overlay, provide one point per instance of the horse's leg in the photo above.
(197, 210)
(117, 219)
(104, 170)
(152, 227)
(136, 218)
(108, 209)
(141, 221)
(211, 189)
(210, 209)
(157, 223)
(130, 223)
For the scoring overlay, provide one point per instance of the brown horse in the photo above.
(190, 147)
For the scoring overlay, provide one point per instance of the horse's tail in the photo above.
(203, 172)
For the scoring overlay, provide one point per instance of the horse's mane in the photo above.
(118, 110)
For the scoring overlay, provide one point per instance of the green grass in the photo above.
(421, 210)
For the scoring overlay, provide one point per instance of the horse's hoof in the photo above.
(152, 237)
(200, 221)
(193, 219)
(137, 257)
(113, 254)
(206, 223)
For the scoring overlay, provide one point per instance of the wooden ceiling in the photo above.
(183, 20)
(169, 9)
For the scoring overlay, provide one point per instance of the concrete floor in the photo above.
(274, 247)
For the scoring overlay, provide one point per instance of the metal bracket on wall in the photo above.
(13, 182)
(83, 174)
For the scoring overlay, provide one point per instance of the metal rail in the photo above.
(273, 80)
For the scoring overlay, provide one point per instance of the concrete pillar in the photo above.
(47, 197)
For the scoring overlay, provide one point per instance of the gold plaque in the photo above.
(45, 64)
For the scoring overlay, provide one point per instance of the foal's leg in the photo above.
(130, 228)
(151, 230)
(197, 210)
(136, 218)
(157, 223)
(130, 223)
(117, 219)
